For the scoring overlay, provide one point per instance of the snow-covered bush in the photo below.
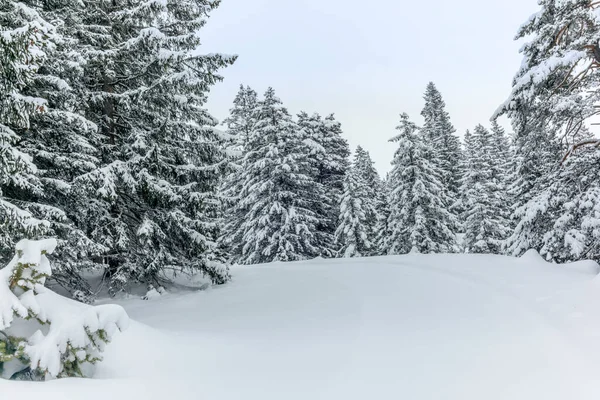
(42, 334)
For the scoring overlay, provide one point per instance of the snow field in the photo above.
(419, 327)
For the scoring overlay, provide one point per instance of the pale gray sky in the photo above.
(368, 61)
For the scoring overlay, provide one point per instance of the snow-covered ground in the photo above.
(414, 327)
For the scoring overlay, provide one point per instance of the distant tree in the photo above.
(352, 236)
(278, 191)
(383, 222)
(374, 199)
(483, 189)
(240, 124)
(446, 148)
(328, 156)
(419, 219)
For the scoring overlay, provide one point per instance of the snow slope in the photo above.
(411, 327)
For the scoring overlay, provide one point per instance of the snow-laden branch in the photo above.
(45, 335)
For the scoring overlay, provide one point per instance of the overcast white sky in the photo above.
(368, 61)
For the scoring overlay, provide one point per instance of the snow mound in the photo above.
(585, 267)
(533, 256)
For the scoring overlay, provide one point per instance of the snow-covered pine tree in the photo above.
(328, 156)
(352, 237)
(278, 191)
(561, 57)
(374, 201)
(419, 219)
(503, 156)
(440, 132)
(554, 93)
(240, 122)
(25, 38)
(240, 125)
(153, 203)
(561, 220)
(482, 187)
(502, 145)
(383, 228)
(462, 203)
(63, 145)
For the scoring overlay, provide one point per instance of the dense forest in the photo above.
(106, 146)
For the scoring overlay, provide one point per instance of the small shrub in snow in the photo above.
(42, 334)
(154, 293)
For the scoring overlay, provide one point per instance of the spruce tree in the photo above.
(560, 59)
(328, 156)
(419, 219)
(63, 145)
(560, 221)
(440, 132)
(374, 199)
(278, 191)
(383, 223)
(25, 39)
(482, 187)
(553, 95)
(352, 236)
(240, 125)
(153, 201)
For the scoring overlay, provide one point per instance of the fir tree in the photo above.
(328, 156)
(240, 125)
(419, 219)
(153, 201)
(374, 198)
(278, 191)
(482, 187)
(439, 131)
(63, 145)
(352, 236)
(560, 57)
(25, 37)
(561, 220)
(554, 93)
(383, 223)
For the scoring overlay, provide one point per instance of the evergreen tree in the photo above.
(328, 156)
(25, 40)
(352, 236)
(419, 219)
(63, 145)
(153, 201)
(240, 125)
(502, 145)
(241, 122)
(554, 93)
(439, 131)
(560, 59)
(482, 187)
(504, 159)
(561, 220)
(374, 201)
(383, 222)
(278, 191)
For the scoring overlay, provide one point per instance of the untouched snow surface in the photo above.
(415, 327)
